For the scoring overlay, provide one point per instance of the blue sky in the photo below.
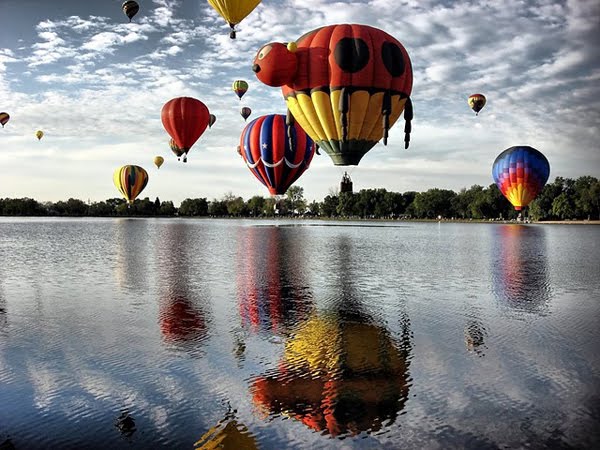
(95, 84)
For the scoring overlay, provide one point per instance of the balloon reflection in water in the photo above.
(227, 434)
(272, 292)
(520, 268)
(131, 254)
(475, 335)
(341, 373)
(182, 317)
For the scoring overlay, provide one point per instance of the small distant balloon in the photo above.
(477, 102)
(520, 173)
(130, 8)
(211, 121)
(239, 87)
(175, 149)
(158, 161)
(130, 181)
(4, 118)
(39, 134)
(245, 112)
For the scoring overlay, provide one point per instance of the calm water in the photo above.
(141, 333)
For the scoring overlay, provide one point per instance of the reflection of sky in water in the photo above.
(85, 347)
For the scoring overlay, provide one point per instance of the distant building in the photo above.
(346, 184)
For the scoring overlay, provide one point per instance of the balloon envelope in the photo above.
(39, 134)
(4, 118)
(185, 119)
(233, 11)
(477, 102)
(130, 8)
(346, 85)
(240, 87)
(130, 181)
(277, 154)
(212, 120)
(520, 173)
(158, 161)
(245, 112)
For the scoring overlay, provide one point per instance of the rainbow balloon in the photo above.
(520, 173)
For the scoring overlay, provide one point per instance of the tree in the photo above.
(193, 207)
(329, 206)
(217, 208)
(563, 207)
(256, 205)
(167, 209)
(295, 199)
(433, 203)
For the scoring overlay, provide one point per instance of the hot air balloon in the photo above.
(130, 181)
(211, 121)
(520, 173)
(130, 8)
(240, 87)
(185, 119)
(276, 152)
(245, 112)
(476, 102)
(346, 85)
(4, 118)
(178, 152)
(39, 134)
(233, 11)
(158, 161)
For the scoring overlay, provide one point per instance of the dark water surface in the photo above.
(141, 333)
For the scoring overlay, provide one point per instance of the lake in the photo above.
(281, 334)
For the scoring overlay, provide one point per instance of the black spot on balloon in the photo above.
(393, 59)
(351, 54)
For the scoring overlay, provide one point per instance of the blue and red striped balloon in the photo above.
(276, 153)
(520, 173)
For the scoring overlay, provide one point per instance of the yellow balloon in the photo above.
(234, 11)
(158, 161)
(39, 134)
(130, 181)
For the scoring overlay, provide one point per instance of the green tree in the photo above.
(563, 206)
(329, 205)
(295, 199)
(167, 209)
(194, 207)
(433, 203)
(256, 206)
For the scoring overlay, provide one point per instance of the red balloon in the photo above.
(185, 119)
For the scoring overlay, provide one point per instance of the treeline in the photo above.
(563, 199)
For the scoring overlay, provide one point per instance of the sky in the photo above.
(95, 84)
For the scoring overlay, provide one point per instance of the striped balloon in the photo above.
(476, 102)
(130, 181)
(520, 173)
(276, 153)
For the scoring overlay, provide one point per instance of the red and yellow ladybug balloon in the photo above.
(346, 85)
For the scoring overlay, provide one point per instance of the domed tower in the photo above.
(346, 184)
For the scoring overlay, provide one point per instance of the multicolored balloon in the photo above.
(211, 121)
(245, 112)
(276, 151)
(233, 11)
(158, 161)
(39, 134)
(185, 119)
(520, 173)
(476, 102)
(4, 118)
(240, 87)
(346, 85)
(130, 8)
(130, 181)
